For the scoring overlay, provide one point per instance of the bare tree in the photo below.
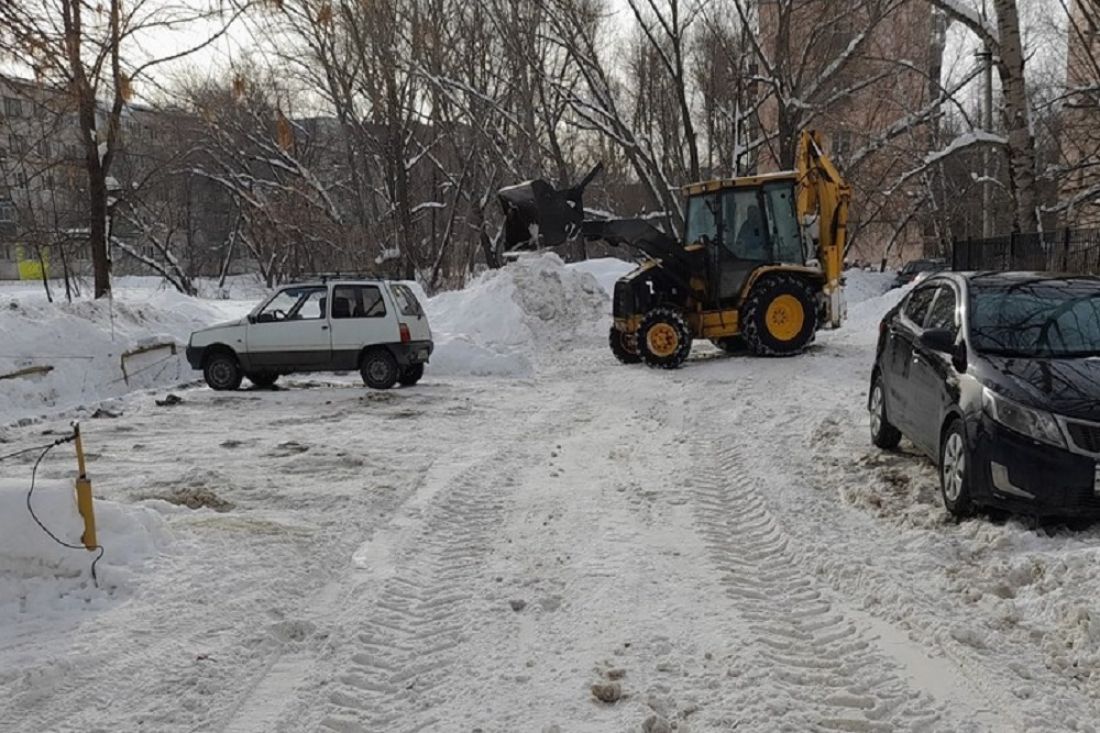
(94, 53)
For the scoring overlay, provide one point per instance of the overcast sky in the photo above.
(1044, 28)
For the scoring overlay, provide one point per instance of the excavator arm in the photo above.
(823, 194)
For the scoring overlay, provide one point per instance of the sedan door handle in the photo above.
(324, 328)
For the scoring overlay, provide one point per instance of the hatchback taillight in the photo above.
(405, 337)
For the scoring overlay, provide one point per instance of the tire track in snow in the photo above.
(398, 648)
(406, 640)
(819, 672)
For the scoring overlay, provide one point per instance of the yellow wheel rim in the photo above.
(785, 317)
(662, 340)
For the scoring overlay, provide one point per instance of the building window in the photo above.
(12, 107)
(7, 211)
(44, 149)
(15, 144)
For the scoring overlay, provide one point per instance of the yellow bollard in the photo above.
(84, 494)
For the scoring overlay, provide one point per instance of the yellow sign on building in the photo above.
(30, 266)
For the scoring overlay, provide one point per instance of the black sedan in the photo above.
(996, 376)
(911, 270)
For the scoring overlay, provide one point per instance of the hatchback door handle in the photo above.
(324, 328)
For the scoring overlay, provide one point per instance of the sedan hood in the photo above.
(1068, 387)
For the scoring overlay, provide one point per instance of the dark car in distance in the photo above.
(996, 376)
(914, 268)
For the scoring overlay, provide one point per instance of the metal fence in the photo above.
(1061, 250)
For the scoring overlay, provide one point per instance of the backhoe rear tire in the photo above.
(779, 317)
(624, 346)
(664, 339)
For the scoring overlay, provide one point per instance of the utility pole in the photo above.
(986, 55)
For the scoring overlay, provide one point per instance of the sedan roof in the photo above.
(1008, 279)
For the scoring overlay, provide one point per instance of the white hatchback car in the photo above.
(375, 326)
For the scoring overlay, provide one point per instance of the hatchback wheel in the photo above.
(883, 434)
(410, 375)
(955, 471)
(379, 369)
(222, 372)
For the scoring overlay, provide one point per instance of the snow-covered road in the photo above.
(476, 553)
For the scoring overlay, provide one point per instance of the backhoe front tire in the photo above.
(664, 339)
(779, 317)
(624, 346)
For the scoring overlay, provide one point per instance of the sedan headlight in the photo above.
(1033, 423)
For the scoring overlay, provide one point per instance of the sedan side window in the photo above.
(916, 308)
(357, 301)
(942, 313)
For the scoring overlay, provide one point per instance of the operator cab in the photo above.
(743, 224)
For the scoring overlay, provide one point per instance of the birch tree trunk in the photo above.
(1021, 140)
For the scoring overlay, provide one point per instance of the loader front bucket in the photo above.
(538, 215)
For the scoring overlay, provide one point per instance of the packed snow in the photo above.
(535, 537)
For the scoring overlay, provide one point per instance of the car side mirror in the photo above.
(251, 318)
(939, 339)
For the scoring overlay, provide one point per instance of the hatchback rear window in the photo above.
(406, 300)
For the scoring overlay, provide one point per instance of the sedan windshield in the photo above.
(1036, 318)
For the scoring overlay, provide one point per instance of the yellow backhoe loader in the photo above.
(759, 266)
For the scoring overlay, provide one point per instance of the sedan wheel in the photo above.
(883, 434)
(955, 471)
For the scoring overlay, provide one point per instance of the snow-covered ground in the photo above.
(721, 542)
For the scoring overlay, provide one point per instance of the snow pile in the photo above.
(866, 308)
(606, 270)
(82, 343)
(507, 320)
(37, 574)
(861, 285)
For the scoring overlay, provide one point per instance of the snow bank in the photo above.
(508, 320)
(84, 341)
(37, 574)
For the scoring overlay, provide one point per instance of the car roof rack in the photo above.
(338, 275)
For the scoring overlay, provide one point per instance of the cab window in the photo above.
(785, 233)
(357, 301)
(743, 226)
(702, 223)
(916, 307)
